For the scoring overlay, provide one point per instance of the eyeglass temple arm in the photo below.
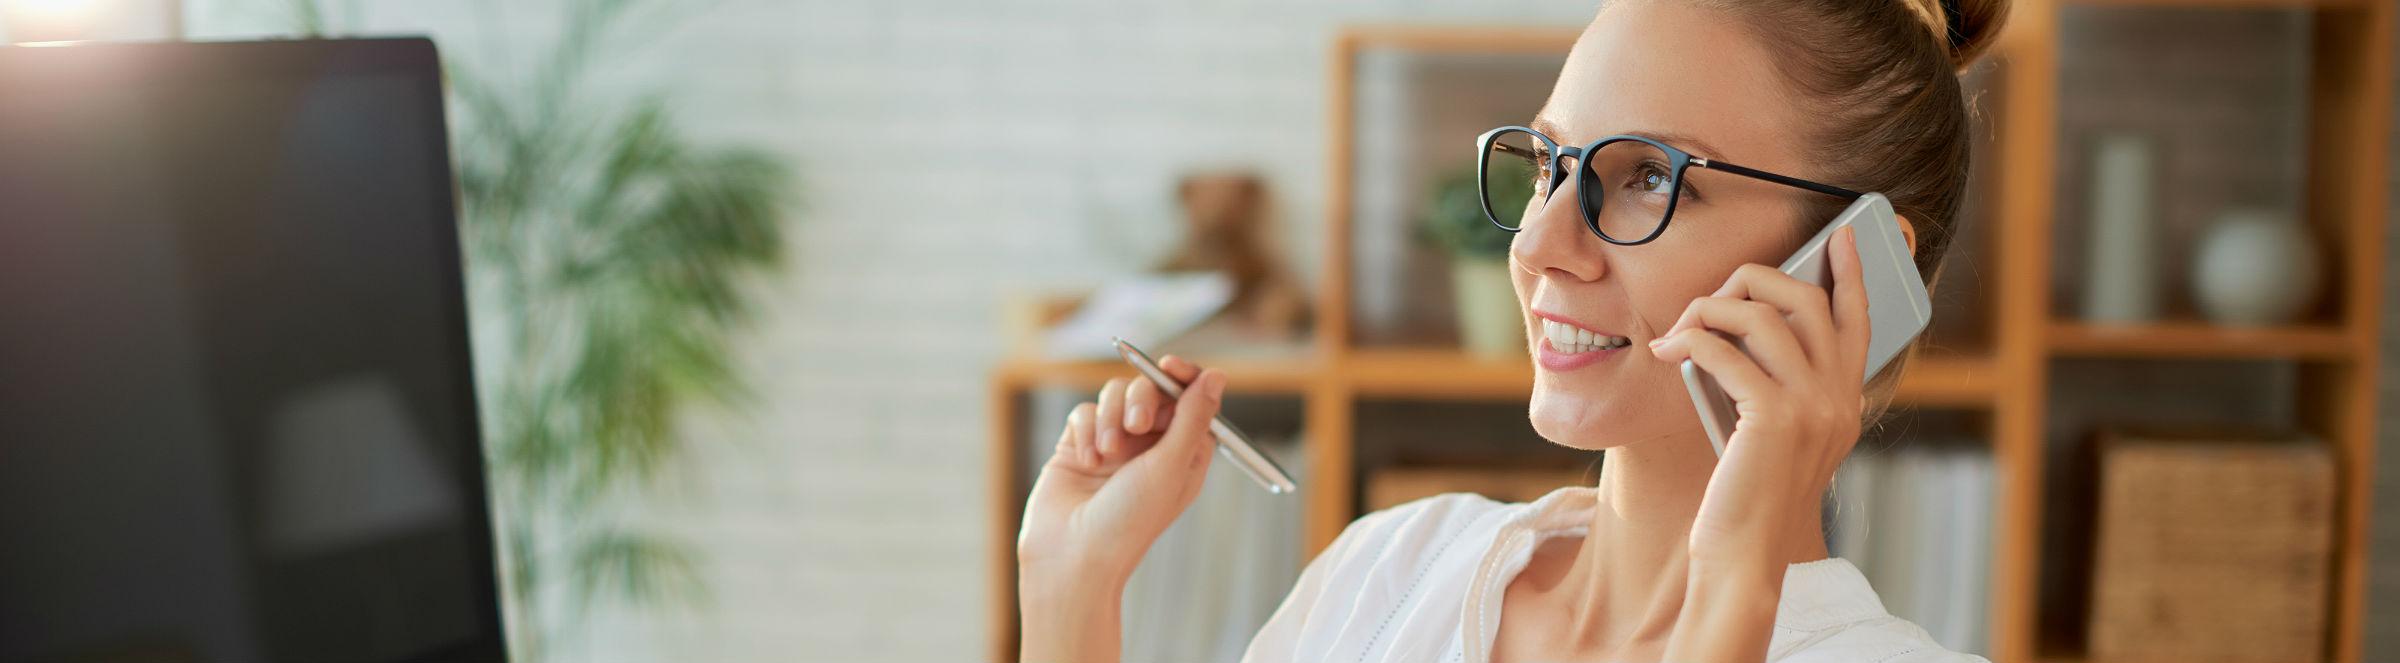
(1746, 171)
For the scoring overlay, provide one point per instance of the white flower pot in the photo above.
(1490, 323)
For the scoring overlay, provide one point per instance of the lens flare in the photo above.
(49, 20)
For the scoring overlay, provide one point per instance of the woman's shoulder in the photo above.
(1398, 566)
(1887, 640)
(1444, 513)
(1454, 527)
(1829, 614)
(1419, 530)
(1427, 537)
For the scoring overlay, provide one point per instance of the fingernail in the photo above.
(1133, 418)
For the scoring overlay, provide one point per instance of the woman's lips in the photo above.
(1551, 359)
(1567, 345)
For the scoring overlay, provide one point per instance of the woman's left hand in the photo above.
(1797, 392)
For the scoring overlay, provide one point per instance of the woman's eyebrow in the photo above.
(1551, 129)
(1686, 142)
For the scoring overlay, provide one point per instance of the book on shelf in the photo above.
(1916, 518)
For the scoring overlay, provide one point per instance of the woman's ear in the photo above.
(1908, 231)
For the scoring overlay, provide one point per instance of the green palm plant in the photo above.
(605, 258)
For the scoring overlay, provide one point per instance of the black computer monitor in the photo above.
(237, 422)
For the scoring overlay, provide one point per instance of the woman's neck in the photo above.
(1627, 581)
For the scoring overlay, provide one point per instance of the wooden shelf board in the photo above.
(2059, 657)
(2221, 4)
(1438, 373)
(1444, 374)
(2198, 340)
(1247, 375)
(1933, 380)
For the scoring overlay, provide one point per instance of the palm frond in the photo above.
(651, 569)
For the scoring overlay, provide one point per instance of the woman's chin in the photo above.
(1577, 420)
(1571, 421)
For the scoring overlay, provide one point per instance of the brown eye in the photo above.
(1651, 177)
(1541, 170)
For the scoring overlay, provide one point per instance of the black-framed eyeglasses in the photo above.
(1627, 186)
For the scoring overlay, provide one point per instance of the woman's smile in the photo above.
(1567, 345)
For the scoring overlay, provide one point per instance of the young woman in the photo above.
(1676, 554)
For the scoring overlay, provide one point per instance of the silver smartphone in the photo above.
(1230, 440)
(1898, 306)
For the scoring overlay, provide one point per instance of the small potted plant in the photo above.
(1489, 322)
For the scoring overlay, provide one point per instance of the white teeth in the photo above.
(1570, 339)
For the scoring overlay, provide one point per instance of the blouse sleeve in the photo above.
(1281, 638)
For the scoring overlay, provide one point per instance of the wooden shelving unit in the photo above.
(2192, 340)
(2350, 103)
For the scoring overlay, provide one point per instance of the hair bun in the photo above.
(1969, 26)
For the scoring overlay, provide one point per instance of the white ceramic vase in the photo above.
(2253, 268)
(1489, 322)
(2121, 282)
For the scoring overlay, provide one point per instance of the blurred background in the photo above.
(2144, 425)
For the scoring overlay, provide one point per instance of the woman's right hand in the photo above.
(1124, 469)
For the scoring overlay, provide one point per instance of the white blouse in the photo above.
(1422, 582)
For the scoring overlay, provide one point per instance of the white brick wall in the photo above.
(949, 150)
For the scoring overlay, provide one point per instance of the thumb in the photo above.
(1188, 440)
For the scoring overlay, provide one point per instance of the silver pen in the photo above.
(1230, 440)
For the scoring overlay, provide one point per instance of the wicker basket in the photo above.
(2212, 549)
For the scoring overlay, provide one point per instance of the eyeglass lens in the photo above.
(1626, 186)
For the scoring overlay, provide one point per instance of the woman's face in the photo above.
(1691, 78)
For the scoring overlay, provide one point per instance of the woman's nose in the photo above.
(1554, 242)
